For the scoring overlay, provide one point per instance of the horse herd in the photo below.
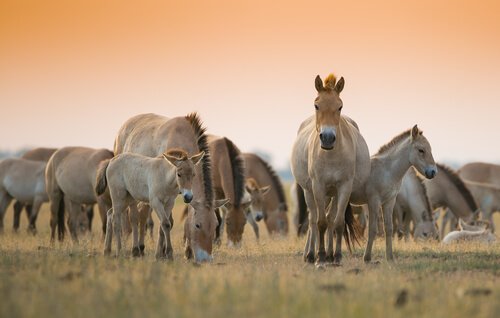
(337, 186)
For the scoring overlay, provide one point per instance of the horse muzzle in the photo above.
(327, 138)
(202, 256)
(430, 172)
(259, 216)
(187, 195)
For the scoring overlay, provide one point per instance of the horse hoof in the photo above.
(136, 251)
(321, 257)
(309, 258)
(141, 248)
(107, 252)
(329, 258)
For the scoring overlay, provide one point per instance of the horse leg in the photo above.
(73, 220)
(252, 222)
(373, 209)
(119, 210)
(37, 203)
(330, 231)
(18, 208)
(144, 218)
(150, 224)
(343, 196)
(164, 228)
(5, 199)
(310, 248)
(90, 215)
(388, 208)
(108, 236)
(322, 227)
(103, 208)
(56, 202)
(134, 222)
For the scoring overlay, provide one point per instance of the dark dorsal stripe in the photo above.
(238, 169)
(396, 140)
(424, 190)
(459, 184)
(199, 131)
(276, 182)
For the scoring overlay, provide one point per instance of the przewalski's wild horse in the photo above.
(133, 178)
(70, 179)
(257, 196)
(477, 234)
(413, 205)
(329, 160)
(228, 175)
(388, 168)
(481, 172)
(36, 154)
(274, 206)
(448, 191)
(23, 180)
(488, 197)
(152, 135)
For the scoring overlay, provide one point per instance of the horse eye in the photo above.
(340, 108)
(198, 226)
(179, 175)
(316, 107)
(421, 151)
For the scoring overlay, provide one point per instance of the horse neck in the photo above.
(443, 193)
(169, 172)
(396, 160)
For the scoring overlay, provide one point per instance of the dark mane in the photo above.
(459, 184)
(238, 169)
(199, 131)
(424, 189)
(179, 153)
(396, 140)
(276, 182)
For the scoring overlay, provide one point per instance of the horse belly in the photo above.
(21, 190)
(77, 189)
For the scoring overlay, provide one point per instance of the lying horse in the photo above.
(157, 181)
(23, 180)
(482, 235)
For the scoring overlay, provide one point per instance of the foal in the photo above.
(256, 211)
(157, 181)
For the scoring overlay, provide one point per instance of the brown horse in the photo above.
(329, 160)
(228, 175)
(257, 194)
(152, 135)
(481, 172)
(274, 206)
(70, 179)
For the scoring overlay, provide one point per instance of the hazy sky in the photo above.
(71, 72)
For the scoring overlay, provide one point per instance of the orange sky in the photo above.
(71, 72)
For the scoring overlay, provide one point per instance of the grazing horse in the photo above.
(329, 160)
(274, 206)
(157, 181)
(257, 197)
(481, 172)
(412, 204)
(152, 135)
(228, 175)
(388, 168)
(23, 180)
(447, 190)
(70, 179)
(488, 198)
(36, 154)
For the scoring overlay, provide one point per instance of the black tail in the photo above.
(352, 231)
(301, 212)
(61, 229)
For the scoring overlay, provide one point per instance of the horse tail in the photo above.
(101, 180)
(301, 211)
(61, 229)
(352, 230)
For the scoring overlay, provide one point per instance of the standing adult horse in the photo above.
(152, 135)
(228, 175)
(330, 158)
(274, 206)
(24, 181)
(70, 179)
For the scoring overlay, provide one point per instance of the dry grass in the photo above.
(261, 279)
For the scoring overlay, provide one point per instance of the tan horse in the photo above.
(481, 172)
(488, 198)
(152, 135)
(257, 199)
(274, 206)
(477, 235)
(157, 181)
(228, 175)
(329, 160)
(388, 168)
(413, 205)
(23, 180)
(36, 154)
(447, 190)
(70, 179)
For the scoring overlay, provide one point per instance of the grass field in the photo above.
(266, 279)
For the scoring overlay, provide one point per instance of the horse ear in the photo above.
(340, 85)
(265, 190)
(246, 205)
(414, 132)
(197, 158)
(318, 82)
(174, 161)
(221, 203)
